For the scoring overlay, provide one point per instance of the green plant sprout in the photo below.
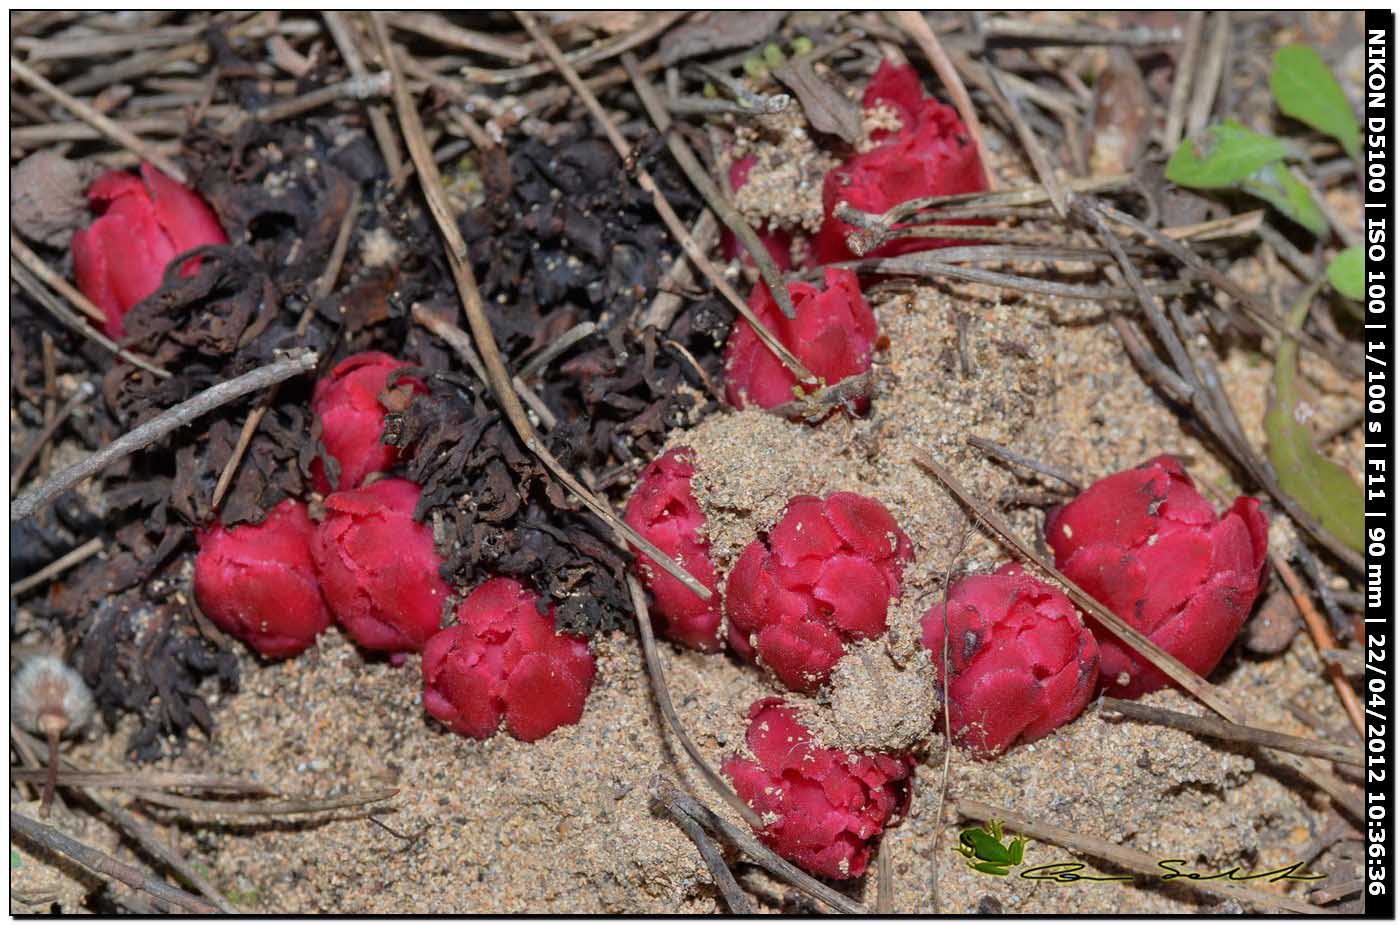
(1229, 156)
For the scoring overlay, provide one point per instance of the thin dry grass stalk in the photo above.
(497, 374)
(663, 208)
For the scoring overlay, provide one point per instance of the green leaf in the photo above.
(1321, 487)
(1347, 273)
(1228, 154)
(1280, 187)
(1306, 90)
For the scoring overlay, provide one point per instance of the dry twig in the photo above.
(57, 567)
(111, 130)
(162, 424)
(285, 807)
(1232, 732)
(735, 898)
(668, 709)
(663, 788)
(709, 191)
(104, 865)
(1322, 637)
(494, 366)
(85, 390)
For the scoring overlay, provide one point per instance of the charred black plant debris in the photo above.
(560, 236)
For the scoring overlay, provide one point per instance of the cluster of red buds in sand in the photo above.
(822, 577)
(1020, 657)
(369, 564)
(1145, 544)
(930, 155)
(834, 331)
(373, 567)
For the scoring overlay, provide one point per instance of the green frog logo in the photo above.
(984, 851)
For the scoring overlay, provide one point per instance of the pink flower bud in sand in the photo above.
(1148, 547)
(833, 335)
(663, 510)
(505, 659)
(378, 567)
(352, 418)
(1021, 662)
(257, 582)
(821, 807)
(824, 576)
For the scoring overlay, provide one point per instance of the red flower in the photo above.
(833, 335)
(821, 807)
(503, 658)
(378, 567)
(663, 509)
(258, 584)
(142, 225)
(352, 418)
(931, 155)
(778, 242)
(1152, 550)
(824, 576)
(1021, 662)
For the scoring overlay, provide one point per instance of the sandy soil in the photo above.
(564, 825)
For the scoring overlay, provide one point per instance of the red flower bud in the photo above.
(824, 576)
(142, 225)
(833, 335)
(258, 584)
(1152, 550)
(821, 807)
(778, 242)
(378, 567)
(352, 418)
(663, 510)
(1021, 662)
(504, 658)
(931, 155)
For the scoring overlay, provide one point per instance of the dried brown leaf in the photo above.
(827, 108)
(721, 31)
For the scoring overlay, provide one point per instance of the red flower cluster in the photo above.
(778, 242)
(1152, 550)
(833, 335)
(663, 510)
(1021, 662)
(378, 567)
(143, 223)
(821, 807)
(824, 577)
(931, 155)
(352, 418)
(258, 584)
(504, 658)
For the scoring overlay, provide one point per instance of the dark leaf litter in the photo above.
(559, 235)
